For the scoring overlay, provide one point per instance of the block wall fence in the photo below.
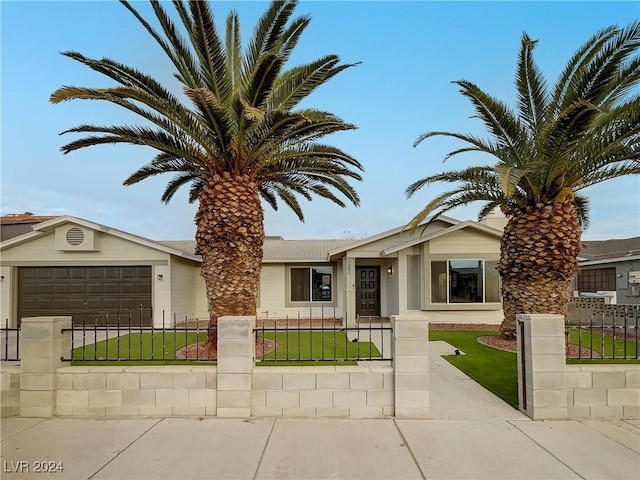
(43, 386)
(548, 388)
(551, 389)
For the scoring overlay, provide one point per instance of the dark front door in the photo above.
(368, 291)
(88, 294)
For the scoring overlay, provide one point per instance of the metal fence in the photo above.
(605, 331)
(10, 343)
(122, 336)
(304, 338)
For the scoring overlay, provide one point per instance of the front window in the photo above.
(311, 284)
(464, 281)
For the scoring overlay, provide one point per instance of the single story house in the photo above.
(610, 268)
(70, 266)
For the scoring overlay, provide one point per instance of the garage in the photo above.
(87, 293)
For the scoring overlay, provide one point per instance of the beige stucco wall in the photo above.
(274, 295)
(43, 252)
(466, 243)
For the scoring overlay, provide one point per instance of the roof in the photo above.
(619, 248)
(13, 218)
(49, 226)
(445, 231)
(278, 250)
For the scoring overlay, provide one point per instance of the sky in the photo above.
(409, 54)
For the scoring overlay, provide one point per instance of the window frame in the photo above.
(448, 301)
(310, 302)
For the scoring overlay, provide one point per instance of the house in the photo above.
(70, 266)
(611, 267)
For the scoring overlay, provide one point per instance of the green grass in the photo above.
(494, 369)
(137, 348)
(604, 343)
(304, 348)
(317, 346)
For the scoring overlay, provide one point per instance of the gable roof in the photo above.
(380, 236)
(445, 231)
(49, 226)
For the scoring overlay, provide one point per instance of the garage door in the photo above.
(86, 293)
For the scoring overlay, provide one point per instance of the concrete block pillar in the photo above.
(42, 344)
(542, 385)
(236, 359)
(411, 366)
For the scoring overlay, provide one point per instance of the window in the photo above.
(597, 280)
(464, 281)
(311, 284)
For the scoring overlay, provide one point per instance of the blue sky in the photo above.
(410, 54)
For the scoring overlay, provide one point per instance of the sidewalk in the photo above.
(473, 435)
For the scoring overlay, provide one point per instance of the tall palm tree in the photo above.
(239, 140)
(582, 131)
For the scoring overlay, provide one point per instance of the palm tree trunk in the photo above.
(229, 236)
(538, 260)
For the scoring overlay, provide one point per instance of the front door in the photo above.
(368, 291)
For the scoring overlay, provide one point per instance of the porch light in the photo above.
(160, 277)
(390, 270)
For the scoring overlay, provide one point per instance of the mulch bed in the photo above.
(205, 352)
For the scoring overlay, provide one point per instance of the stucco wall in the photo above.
(183, 289)
(274, 290)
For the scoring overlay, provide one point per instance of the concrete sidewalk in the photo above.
(473, 435)
(175, 448)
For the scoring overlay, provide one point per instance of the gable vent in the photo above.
(75, 236)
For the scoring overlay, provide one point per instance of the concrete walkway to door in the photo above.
(473, 435)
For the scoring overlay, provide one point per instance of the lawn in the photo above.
(496, 370)
(605, 343)
(299, 347)
(137, 349)
(305, 346)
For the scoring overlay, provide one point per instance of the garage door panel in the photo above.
(94, 289)
(59, 289)
(77, 288)
(112, 304)
(60, 304)
(111, 273)
(44, 273)
(86, 293)
(76, 304)
(60, 273)
(78, 273)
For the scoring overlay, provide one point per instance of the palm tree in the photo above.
(239, 140)
(582, 131)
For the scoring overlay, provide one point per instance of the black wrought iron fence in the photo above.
(305, 338)
(605, 331)
(10, 343)
(123, 336)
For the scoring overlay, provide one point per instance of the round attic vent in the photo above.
(75, 236)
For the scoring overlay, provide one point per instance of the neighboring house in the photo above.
(70, 266)
(18, 223)
(611, 266)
